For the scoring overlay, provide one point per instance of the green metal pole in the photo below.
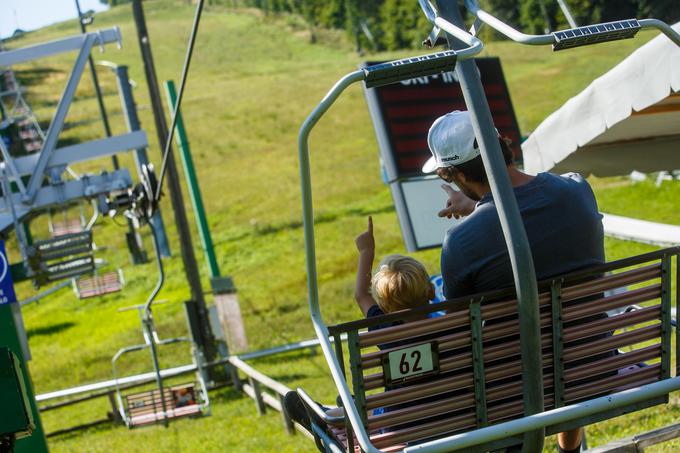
(223, 287)
(192, 182)
(36, 442)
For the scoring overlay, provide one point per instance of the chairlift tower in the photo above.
(36, 182)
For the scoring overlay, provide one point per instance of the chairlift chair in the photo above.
(66, 225)
(159, 405)
(96, 284)
(163, 403)
(457, 381)
(99, 284)
(66, 256)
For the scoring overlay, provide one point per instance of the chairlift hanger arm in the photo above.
(376, 75)
(475, 45)
(663, 27)
(616, 30)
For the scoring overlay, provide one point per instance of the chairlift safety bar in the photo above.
(574, 37)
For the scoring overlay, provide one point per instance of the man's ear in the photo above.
(457, 175)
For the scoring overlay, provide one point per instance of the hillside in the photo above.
(254, 79)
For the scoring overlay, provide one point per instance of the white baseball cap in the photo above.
(451, 140)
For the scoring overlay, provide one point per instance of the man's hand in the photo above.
(365, 241)
(457, 204)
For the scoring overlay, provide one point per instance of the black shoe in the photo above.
(575, 450)
(295, 408)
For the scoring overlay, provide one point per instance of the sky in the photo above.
(32, 14)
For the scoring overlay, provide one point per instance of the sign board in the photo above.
(402, 114)
(409, 363)
(7, 295)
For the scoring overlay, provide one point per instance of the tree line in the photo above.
(400, 24)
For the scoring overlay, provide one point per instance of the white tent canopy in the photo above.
(628, 119)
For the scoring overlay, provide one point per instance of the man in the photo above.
(560, 216)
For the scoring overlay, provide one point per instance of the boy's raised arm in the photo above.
(366, 245)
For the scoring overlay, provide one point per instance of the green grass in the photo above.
(253, 81)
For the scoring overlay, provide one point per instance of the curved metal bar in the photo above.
(539, 40)
(475, 45)
(168, 341)
(205, 405)
(310, 252)
(119, 394)
(328, 419)
(502, 27)
(95, 216)
(161, 273)
(548, 418)
(328, 443)
(663, 27)
(147, 321)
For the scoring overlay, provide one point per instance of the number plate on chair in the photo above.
(411, 362)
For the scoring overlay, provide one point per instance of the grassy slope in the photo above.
(253, 81)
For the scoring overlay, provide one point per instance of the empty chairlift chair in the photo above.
(456, 382)
(163, 403)
(65, 256)
(66, 225)
(99, 284)
(146, 408)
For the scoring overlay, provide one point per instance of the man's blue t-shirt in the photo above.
(562, 222)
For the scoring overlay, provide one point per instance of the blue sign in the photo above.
(7, 295)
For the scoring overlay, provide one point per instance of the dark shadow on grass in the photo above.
(290, 377)
(225, 395)
(288, 308)
(63, 142)
(49, 330)
(35, 76)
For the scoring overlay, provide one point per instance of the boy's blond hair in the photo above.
(401, 282)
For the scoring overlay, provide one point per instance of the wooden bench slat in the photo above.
(611, 282)
(618, 341)
(604, 325)
(99, 285)
(590, 308)
(613, 363)
(413, 392)
(503, 308)
(425, 430)
(414, 412)
(183, 411)
(413, 329)
(641, 376)
(449, 403)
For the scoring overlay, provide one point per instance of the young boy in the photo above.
(400, 282)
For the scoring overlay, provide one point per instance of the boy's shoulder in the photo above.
(374, 311)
